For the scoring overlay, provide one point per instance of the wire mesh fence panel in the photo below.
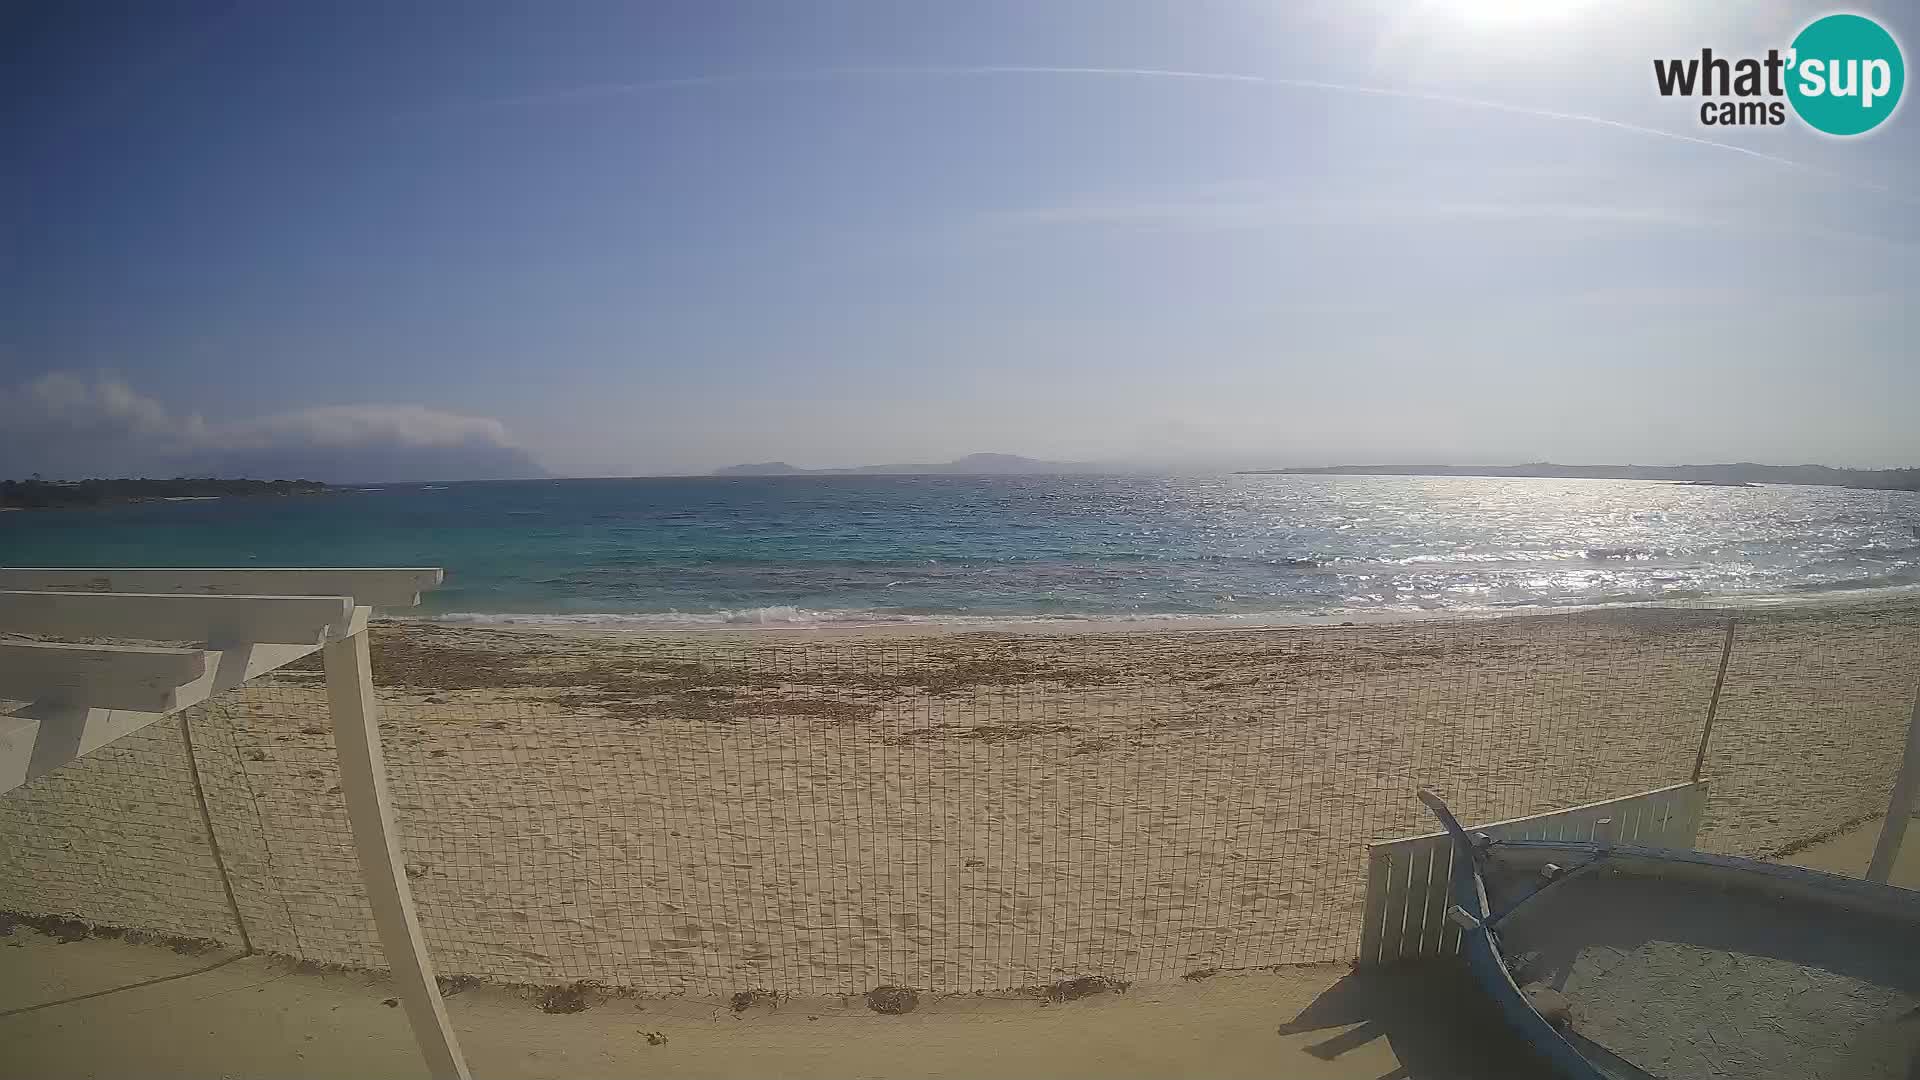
(1811, 724)
(981, 812)
(717, 813)
(116, 838)
(273, 782)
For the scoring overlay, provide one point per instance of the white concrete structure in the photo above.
(174, 638)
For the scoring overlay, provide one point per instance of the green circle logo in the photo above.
(1845, 74)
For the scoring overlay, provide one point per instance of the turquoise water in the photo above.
(836, 549)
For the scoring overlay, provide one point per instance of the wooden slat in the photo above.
(1656, 818)
(1694, 804)
(1393, 925)
(1626, 822)
(1419, 878)
(1377, 864)
(1541, 826)
(1584, 826)
(1673, 822)
(1434, 917)
(379, 587)
(45, 735)
(17, 736)
(1655, 822)
(1650, 822)
(97, 676)
(217, 620)
(1449, 930)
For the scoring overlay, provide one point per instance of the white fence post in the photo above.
(1900, 805)
(363, 780)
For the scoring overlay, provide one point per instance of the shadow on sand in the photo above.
(1439, 1024)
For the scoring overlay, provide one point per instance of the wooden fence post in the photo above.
(363, 780)
(1900, 805)
(1713, 704)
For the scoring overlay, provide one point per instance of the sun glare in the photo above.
(1501, 13)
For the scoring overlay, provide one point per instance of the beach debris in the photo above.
(1551, 1004)
(572, 998)
(1003, 732)
(655, 1038)
(418, 869)
(1198, 974)
(454, 984)
(1086, 986)
(185, 946)
(893, 1000)
(67, 930)
(391, 1003)
(747, 999)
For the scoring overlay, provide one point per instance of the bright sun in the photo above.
(1508, 12)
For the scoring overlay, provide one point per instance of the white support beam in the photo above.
(42, 736)
(214, 621)
(98, 676)
(17, 736)
(378, 587)
(1906, 785)
(376, 838)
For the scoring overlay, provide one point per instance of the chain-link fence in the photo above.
(725, 813)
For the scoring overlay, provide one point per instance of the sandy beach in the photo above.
(1318, 1021)
(828, 813)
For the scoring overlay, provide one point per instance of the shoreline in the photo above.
(609, 625)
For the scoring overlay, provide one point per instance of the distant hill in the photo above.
(971, 465)
(1735, 474)
(764, 468)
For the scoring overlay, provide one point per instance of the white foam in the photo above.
(781, 617)
(791, 618)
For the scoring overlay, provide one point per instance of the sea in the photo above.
(818, 551)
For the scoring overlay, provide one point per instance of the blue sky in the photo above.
(634, 238)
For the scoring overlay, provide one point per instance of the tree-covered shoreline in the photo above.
(38, 494)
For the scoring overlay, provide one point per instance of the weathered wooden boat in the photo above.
(1620, 961)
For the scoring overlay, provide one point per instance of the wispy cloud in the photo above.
(604, 91)
(1317, 212)
(1694, 298)
(1212, 214)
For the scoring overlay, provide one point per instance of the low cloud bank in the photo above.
(67, 426)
